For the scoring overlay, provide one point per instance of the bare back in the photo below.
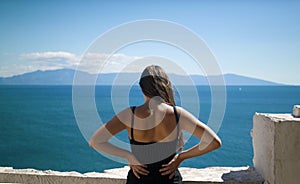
(156, 126)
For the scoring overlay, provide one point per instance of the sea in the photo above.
(39, 129)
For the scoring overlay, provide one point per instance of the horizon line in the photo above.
(131, 72)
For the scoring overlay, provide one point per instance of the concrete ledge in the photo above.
(276, 146)
(211, 175)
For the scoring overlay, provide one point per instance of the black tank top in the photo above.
(154, 155)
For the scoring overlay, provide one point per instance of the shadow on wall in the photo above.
(247, 175)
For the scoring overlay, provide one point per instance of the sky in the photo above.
(252, 38)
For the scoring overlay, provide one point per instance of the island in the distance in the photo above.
(66, 76)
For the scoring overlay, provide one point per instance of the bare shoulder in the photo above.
(169, 110)
(187, 120)
(181, 111)
(125, 116)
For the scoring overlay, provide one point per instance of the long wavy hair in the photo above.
(155, 82)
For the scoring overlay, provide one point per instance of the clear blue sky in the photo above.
(253, 38)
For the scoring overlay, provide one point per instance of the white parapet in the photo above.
(210, 175)
(296, 111)
(276, 146)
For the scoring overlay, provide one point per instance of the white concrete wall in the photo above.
(211, 175)
(276, 145)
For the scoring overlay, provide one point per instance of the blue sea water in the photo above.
(39, 129)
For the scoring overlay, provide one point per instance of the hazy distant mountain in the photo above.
(65, 77)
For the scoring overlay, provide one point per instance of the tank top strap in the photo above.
(177, 120)
(132, 121)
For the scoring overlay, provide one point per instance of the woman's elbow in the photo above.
(217, 143)
(96, 143)
(92, 143)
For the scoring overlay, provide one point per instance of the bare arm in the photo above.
(209, 142)
(99, 141)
